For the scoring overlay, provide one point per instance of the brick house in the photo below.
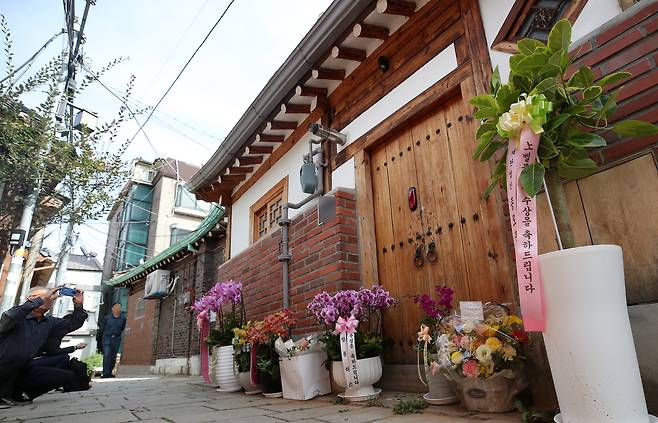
(163, 332)
(395, 78)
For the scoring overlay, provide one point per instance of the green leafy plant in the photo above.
(581, 109)
(93, 361)
(410, 406)
(223, 335)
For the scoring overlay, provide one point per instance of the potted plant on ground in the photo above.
(352, 337)
(440, 389)
(547, 118)
(303, 372)
(225, 300)
(484, 360)
(242, 357)
(264, 357)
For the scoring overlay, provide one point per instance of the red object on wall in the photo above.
(412, 198)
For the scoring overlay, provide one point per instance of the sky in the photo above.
(157, 37)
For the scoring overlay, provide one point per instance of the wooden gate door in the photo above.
(433, 155)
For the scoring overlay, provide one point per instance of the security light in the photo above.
(327, 134)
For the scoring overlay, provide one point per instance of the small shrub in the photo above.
(410, 406)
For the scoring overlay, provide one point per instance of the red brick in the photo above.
(629, 55)
(625, 148)
(623, 26)
(607, 50)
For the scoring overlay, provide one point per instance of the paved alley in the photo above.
(181, 400)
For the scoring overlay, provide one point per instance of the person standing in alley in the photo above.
(111, 330)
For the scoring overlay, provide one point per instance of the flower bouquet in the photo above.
(224, 300)
(440, 389)
(303, 373)
(352, 337)
(261, 337)
(484, 359)
(242, 357)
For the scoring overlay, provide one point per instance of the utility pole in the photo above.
(20, 252)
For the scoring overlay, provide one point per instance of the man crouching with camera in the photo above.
(24, 331)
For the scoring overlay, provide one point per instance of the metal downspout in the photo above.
(284, 222)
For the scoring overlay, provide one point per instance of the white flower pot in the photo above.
(212, 366)
(227, 374)
(588, 336)
(249, 388)
(369, 371)
(440, 389)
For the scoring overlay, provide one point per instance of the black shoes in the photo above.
(22, 400)
(107, 376)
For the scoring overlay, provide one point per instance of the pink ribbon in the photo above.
(346, 326)
(203, 323)
(253, 365)
(523, 218)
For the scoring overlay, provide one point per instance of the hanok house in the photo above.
(395, 78)
(168, 338)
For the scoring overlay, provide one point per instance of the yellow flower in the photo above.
(492, 330)
(483, 353)
(457, 357)
(493, 343)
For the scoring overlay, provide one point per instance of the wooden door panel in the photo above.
(547, 239)
(620, 205)
(439, 205)
(407, 224)
(387, 265)
(483, 235)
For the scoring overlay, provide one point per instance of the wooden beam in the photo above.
(348, 53)
(476, 41)
(290, 141)
(258, 150)
(232, 179)
(441, 91)
(321, 102)
(396, 7)
(239, 170)
(365, 215)
(328, 74)
(276, 125)
(307, 91)
(250, 160)
(296, 108)
(269, 138)
(364, 30)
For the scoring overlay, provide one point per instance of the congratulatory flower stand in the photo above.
(546, 118)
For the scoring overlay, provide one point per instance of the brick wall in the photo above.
(138, 338)
(324, 258)
(196, 273)
(628, 43)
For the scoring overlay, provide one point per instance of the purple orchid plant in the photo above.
(226, 300)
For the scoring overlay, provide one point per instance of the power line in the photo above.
(29, 61)
(182, 70)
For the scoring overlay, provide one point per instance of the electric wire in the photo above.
(29, 61)
(182, 70)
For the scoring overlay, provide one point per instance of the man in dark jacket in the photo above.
(24, 330)
(111, 329)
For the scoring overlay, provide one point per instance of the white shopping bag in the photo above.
(305, 376)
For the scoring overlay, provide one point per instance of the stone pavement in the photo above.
(183, 400)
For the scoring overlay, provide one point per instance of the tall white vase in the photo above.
(227, 374)
(588, 336)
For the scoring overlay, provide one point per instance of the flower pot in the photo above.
(369, 371)
(249, 388)
(494, 394)
(440, 389)
(588, 336)
(212, 366)
(227, 376)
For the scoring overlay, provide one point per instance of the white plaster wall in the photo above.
(594, 14)
(288, 165)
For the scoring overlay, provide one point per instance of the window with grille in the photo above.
(267, 211)
(534, 19)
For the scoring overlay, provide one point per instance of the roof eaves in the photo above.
(138, 272)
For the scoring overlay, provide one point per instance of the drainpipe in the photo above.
(284, 222)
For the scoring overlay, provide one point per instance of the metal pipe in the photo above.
(284, 222)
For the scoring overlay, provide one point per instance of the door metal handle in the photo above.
(432, 256)
(418, 257)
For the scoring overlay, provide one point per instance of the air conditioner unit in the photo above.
(156, 284)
